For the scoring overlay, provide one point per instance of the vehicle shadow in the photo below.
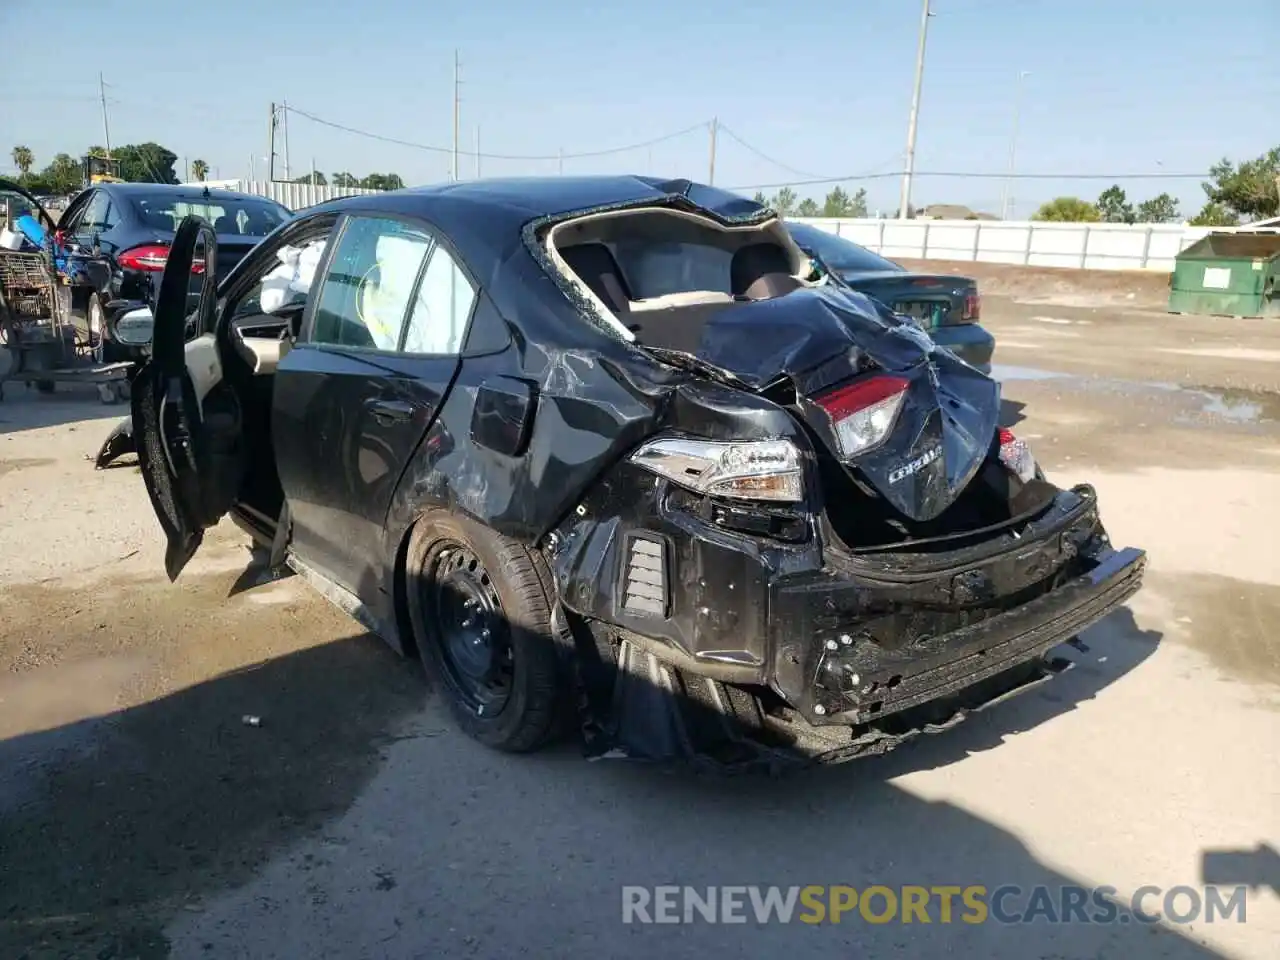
(23, 408)
(117, 829)
(1011, 412)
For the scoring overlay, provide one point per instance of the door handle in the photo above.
(390, 411)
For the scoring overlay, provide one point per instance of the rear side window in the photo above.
(441, 309)
(368, 287)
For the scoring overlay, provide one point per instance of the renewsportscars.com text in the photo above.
(972, 904)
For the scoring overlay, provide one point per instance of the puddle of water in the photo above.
(1003, 372)
(1235, 406)
(1242, 411)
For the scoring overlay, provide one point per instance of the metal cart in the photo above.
(40, 342)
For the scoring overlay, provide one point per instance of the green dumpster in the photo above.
(1228, 274)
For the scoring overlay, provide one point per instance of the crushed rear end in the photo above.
(916, 567)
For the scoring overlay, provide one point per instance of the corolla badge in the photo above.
(915, 465)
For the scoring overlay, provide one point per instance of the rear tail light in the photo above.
(863, 414)
(1016, 455)
(151, 258)
(972, 306)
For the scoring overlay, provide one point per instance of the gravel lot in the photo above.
(141, 817)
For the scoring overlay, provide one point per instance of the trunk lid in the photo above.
(936, 300)
(825, 338)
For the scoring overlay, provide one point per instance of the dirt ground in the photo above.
(228, 767)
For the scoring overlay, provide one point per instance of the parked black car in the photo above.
(598, 442)
(949, 307)
(132, 225)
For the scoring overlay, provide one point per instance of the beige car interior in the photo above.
(600, 254)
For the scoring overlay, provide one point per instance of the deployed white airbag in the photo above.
(290, 282)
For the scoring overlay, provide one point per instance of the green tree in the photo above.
(317, 178)
(784, 202)
(1159, 209)
(200, 169)
(808, 208)
(1214, 215)
(1250, 191)
(382, 181)
(64, 174)
(1068, 210)
(1114, 207)
(836, 204)
(146, 163)
(760, 198)
(840, 204)
(23, 159)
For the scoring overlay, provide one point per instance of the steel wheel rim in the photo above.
(465, 614)
(97, 320)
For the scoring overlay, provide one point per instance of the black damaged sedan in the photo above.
(599, 453)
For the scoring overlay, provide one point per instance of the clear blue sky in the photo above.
(823, 87)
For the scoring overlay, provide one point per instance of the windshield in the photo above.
(245, 216)
(841, 255)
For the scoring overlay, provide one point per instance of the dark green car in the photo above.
(948, 307)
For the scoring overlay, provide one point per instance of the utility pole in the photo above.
(477, 151)
(457, 108)
(271, 146)
(711, 167)
(284, 123)
(1005, 201)
(561, 165)
(106, 130)
(904, 203)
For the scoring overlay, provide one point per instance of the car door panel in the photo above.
(348, 412)
(344, 427)
(186, 450)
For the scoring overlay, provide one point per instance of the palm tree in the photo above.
(200, 169)
(23, 159)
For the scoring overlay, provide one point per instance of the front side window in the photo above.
(442, 307)
(369, 283)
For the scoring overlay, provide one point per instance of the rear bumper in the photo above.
(836, 675)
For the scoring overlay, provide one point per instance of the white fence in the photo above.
(1094, 246)
(295, 196)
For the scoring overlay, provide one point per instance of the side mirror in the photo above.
(132, 327)
(98, 274)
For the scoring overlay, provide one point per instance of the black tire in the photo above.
(46, 386)
(536, 699)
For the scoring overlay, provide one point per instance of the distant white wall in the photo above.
(1093, 246)
(295, 196)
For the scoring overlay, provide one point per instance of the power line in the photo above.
(764, 156)
(972, 175)
(498, 156)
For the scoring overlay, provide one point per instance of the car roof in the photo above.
(547, 196)
(499, 206)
